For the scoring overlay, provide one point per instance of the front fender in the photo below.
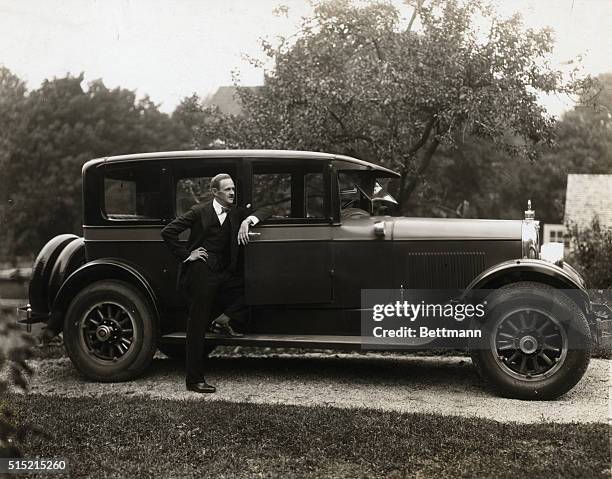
(532, 270)
(97, 270)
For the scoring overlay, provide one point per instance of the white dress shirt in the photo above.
(223, 214)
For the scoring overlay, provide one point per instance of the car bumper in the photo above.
(26, 317)
(602, 320)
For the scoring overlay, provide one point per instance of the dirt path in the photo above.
(440, 385)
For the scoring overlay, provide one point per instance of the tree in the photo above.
(497, 186)
(62, 127)
(358, 80)
(188, 116)
(12, 101)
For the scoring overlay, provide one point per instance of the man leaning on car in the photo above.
(209, 269)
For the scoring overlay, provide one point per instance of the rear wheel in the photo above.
(109, 331)
(535, 342)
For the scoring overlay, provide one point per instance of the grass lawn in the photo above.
(115, 436)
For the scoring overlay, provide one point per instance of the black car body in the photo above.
(305, 267)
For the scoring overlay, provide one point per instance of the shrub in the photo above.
(591, 254)
(15, 349)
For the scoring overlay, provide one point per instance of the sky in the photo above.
(170, 49)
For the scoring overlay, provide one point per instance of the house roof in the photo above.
(226, 99)
(588, 196)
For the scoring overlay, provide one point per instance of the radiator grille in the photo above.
(437, 270)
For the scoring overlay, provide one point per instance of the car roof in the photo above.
(349, 162)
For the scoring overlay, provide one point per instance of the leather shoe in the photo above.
(225, 330)
(201, 387)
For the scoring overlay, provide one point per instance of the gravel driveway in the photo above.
(440, 385)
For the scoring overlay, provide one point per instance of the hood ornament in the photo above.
(529, 213)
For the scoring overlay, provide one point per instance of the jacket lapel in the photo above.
(209, 216)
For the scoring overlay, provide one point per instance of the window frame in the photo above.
(298, 201)
(197, 169)
(135, 167)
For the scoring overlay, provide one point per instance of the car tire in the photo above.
(535, 343)
(177, 351)
(110, 331)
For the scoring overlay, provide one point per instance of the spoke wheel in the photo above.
(535, 342)
(530, 344)
(107, 331)
(110, 331)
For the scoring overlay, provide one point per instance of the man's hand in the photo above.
(199, 253)
(243, 232)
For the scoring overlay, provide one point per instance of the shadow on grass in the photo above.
(115, 436)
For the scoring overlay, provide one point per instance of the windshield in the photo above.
(381, 194)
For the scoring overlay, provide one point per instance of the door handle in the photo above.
(254, 234)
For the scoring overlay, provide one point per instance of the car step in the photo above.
(275, 340)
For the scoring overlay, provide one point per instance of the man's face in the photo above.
(226, 192)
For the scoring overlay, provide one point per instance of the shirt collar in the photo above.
(217, 206)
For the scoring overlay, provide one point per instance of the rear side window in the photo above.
(132, 195)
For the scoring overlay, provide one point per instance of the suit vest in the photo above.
(218, 242)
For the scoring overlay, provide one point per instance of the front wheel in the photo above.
(109, 331)
(535, 343)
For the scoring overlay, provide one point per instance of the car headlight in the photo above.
(530, 239)
(530, 234)
(552, 252)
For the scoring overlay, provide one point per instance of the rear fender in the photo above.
(42, 270)
(91, 272)
(70, 259)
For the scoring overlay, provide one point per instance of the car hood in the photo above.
(453, 229)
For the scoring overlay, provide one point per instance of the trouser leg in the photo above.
(203, 287)
(231, 294)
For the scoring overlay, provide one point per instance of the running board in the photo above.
(275, 340)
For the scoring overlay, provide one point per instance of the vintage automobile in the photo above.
(112, 292)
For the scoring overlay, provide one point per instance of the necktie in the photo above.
(224, 209)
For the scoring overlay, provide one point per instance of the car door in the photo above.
(289, 257)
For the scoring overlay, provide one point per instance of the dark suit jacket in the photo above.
(199, 220)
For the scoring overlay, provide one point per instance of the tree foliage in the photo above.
(493, 184)
(61, 125)
(361, 80)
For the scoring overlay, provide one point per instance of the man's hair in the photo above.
(216, 181)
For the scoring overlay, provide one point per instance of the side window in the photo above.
(132, 195)
(273, 190)
(315, 207)
(190, 191)
(294, 191)
(192, 181)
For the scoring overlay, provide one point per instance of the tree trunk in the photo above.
(409, 185)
